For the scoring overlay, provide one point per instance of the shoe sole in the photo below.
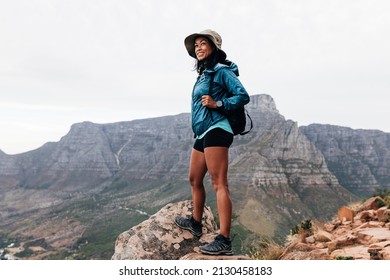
(186, 228)
(219, 253)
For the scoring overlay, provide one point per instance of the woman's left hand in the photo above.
(208, 101)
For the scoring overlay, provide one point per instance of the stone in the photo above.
(158, 238)
(366, 215)
(323, 236)
(329, 227)
(375, 234)
(375, 252)
(302, 251)
(345, 214)
(346, 240)
(355, 252)
(357, 239)
(372, 203)
(383, 214)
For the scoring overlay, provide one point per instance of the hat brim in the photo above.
(189, 43)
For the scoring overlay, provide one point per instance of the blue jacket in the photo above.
(226, 87)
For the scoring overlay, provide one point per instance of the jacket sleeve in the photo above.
(237, 96)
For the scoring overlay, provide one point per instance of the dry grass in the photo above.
(266, 251)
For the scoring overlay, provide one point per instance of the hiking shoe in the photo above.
(220, 246)
(189, 224)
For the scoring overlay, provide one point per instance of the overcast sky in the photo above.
(64, 62)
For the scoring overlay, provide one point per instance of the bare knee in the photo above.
(195, 182)
(221, 189)
(220, 186)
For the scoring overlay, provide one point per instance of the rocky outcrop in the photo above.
(366, 236)
(360, 159)
(359, 232)
(158, 238)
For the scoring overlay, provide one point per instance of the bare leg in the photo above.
(217, 164)
(198, 170)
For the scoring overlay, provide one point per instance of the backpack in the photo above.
(237, 117)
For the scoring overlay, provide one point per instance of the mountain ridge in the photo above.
(110, 173)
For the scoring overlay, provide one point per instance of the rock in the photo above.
(323, 236)
(346, 240)
(366, 215)
(383, 214)
(355, 252)
(329, 227)
(158, 238)
(346, 214)
(372, 203)
(303, 251)
(375, 234)
(375, 252)
(386, 250)
(365, 237)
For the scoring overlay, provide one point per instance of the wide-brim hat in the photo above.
(214, 37)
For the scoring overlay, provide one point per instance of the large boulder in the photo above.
(158, 238)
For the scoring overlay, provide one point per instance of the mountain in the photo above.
(75, 196)
(360, 159)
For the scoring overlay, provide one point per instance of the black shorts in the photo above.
(216, 137)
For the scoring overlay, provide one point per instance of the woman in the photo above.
(213, 134)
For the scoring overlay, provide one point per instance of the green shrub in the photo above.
(25, 253)
(305, 226)
(383, 193)
(295, 230)
(380, 203)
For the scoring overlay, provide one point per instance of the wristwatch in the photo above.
(219, 104)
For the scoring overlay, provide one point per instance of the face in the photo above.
(202, 48)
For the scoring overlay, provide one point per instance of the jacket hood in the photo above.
(232, 66)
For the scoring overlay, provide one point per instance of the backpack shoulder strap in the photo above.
(211, 82)
(249, 117)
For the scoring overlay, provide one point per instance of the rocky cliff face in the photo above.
(119, 173)
(285, 175)
(91, 153)
(360, 159)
